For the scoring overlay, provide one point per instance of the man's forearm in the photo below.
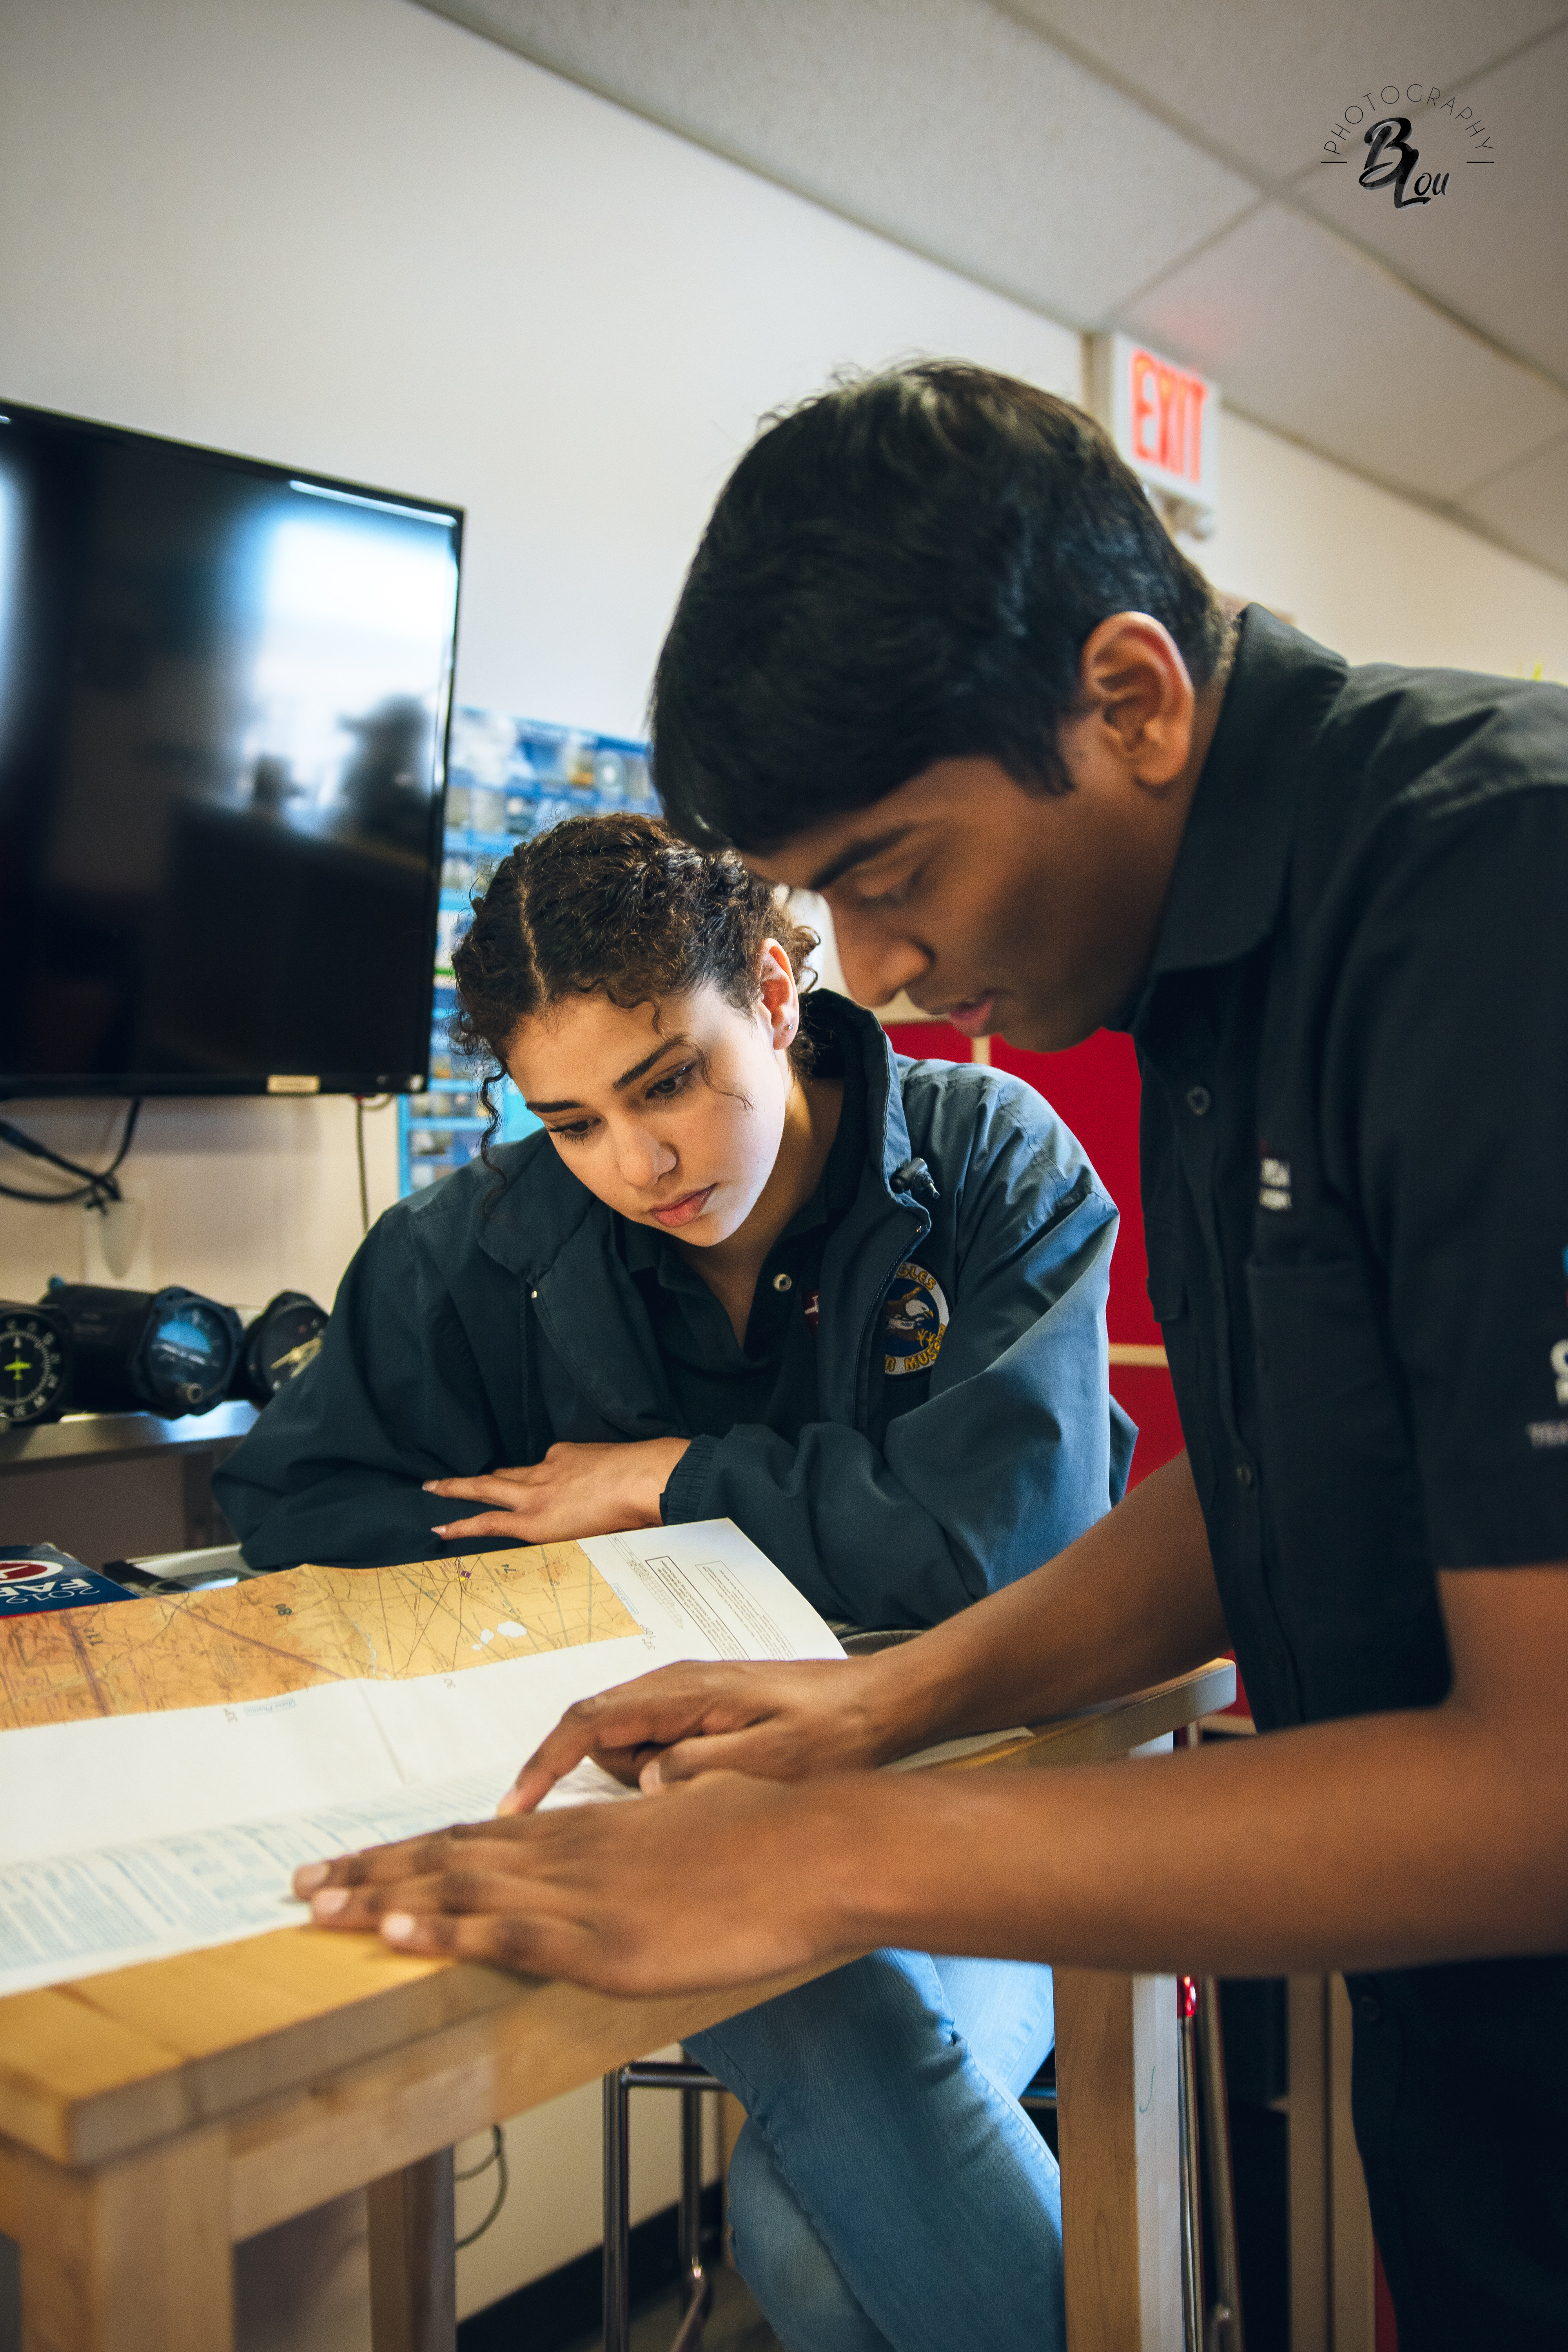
(1131, 1603)
(1380, 1842)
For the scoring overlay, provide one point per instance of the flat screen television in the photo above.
(225, 693)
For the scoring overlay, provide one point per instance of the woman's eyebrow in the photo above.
(628, 1077)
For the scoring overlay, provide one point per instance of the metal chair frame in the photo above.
(692, 2082)
(1201, 2058)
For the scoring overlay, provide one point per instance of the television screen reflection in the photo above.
(224, 695)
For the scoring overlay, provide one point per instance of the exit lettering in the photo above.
(1167, 416)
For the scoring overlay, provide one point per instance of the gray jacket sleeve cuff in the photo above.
(682, 1497)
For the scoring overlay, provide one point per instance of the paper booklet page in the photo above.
(172, 1826)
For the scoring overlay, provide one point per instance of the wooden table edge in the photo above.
(159, 2102)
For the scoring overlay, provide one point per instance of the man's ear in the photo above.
(1137, 688)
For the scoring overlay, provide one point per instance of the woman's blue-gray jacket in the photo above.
(476, 1326)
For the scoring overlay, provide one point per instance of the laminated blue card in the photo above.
(34, 1577)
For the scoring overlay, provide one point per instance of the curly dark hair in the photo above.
(617, 905)
(903, 569)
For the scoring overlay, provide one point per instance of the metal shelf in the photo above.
(78, 1437)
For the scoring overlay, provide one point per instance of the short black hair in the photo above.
(902, 570)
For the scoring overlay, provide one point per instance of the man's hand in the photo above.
(1437, 1833)
(576, 1490)
(725, 1883)
(1131, 1604)
(775, 1722)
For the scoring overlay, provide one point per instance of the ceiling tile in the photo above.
(1307, 334)
(1491, 247)
(942, 122)
(962, 129)
(1528, 507)
(1264, 83)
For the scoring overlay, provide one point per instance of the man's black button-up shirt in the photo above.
(1354, 1049)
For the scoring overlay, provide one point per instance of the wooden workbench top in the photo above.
(96, 2069)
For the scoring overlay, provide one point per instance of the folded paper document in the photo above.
(165, 1763)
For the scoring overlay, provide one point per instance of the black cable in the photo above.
(363, 1178)
(98, 1187)
(361, 1104)
(503, 2181)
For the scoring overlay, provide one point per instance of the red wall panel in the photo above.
(1094, 1088)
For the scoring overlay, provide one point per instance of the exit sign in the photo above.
(1164, 420)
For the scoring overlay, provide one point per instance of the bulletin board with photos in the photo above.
(508, 778)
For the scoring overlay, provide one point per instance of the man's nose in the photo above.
(876, 966)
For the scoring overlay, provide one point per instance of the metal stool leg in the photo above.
(1192, 2194)
(696, 2286)
(1224, 2315)
(617, 2224)
(1205, 2056)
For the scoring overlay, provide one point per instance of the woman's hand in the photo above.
(786, 1722)
(726, 1882)
(576, 1490)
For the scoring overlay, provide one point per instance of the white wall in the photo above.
(1369, 573)
(343, 234)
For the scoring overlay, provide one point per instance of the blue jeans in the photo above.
(888, 2193)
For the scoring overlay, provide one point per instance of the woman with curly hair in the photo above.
(756, 1266)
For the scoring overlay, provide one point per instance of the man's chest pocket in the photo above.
(1328, 1402)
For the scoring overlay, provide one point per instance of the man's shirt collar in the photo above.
(1230, 869)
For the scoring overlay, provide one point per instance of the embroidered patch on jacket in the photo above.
(810, 1310)
(1274, 1184)
(914, 1317)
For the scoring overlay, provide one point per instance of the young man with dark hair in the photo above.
(936, 659)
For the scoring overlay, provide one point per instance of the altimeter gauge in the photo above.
(34, 1362)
